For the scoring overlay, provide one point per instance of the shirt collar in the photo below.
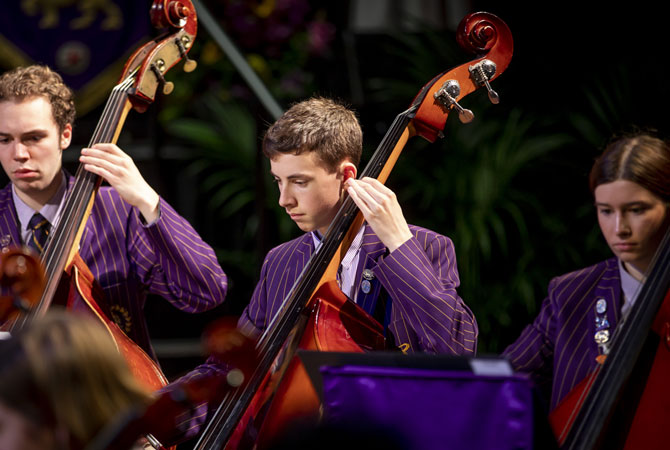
(629, 285)
(353, 248)
(50, 210)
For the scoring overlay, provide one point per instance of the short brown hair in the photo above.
(40, 81)
(320, 125)
(640, 158)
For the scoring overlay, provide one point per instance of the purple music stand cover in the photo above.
(432, 409)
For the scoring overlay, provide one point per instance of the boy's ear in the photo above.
(348, 170)
(66, 137)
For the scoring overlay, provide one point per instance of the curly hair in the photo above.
(40, 81)
(318, 124)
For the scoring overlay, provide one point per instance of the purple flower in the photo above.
(293, 83)
(277, 32)
(319, 35)
(294, 11)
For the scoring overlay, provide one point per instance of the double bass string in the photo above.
(340, 224)
(275, 336)
(84, 180)
(75, 205)
(64, 232)
(626, 348)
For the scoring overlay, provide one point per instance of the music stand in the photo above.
(313, 361)
(431, 401)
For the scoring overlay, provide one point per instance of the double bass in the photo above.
(21, 280)
(625, 402)
(316, 315)
(221, 339)
(142, 76)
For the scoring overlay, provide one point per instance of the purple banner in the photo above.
(86, 41)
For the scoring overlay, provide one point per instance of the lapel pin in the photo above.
(602, 337)
(366, 285)
(602, 322)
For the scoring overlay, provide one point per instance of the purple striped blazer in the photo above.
(130, 260)
(558, 349)
(420, 278)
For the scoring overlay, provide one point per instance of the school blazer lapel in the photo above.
(367, 284)
(10, 235)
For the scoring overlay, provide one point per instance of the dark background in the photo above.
(509, 189)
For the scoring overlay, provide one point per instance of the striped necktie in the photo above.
(40, 228)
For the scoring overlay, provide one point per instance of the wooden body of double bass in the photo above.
(652, 416)
(332, 324)
(82, 283)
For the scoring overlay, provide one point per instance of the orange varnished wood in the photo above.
(333, 323)
(336, 324)
(22, 280)
(564, 415)
(479, 33)
(143, 367)
(221, 339)
(136, 90)
(652, 414)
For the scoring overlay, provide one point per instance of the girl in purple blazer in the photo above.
(630, 183)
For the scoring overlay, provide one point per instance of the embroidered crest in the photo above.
(5, 240)
(121, 317)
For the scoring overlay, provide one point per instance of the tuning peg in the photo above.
(182, 44)
(158, 68)
(493, 95)
(481, 73)
(447, 96)
(190, 65)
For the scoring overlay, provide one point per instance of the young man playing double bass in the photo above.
(314, 150)
(133, 242)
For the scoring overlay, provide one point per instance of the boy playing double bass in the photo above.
(314, 150)
(134, 242)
